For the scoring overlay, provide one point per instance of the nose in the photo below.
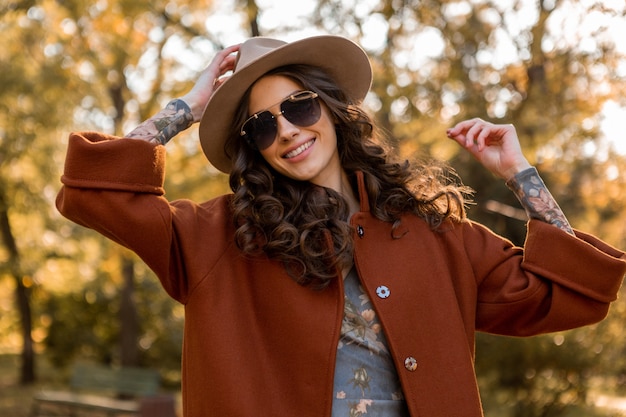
(286, 130)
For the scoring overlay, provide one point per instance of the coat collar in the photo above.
(364, 201)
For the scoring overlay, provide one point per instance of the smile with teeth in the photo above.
(299, 149)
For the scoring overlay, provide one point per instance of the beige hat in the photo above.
(341, 58)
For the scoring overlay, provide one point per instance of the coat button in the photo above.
(360, 231)
(410, 363)
(383, 292)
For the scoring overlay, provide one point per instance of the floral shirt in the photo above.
(366, 380)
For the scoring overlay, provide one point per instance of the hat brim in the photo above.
(342, 59)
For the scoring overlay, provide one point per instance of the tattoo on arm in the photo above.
(537, 200)
(164, 125)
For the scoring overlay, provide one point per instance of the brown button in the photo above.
(410, 363)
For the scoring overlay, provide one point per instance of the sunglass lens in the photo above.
(304, 112)
(262, 130)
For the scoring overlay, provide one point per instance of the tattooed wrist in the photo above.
(537, 200)
(163, 126)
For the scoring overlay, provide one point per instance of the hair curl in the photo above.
(305, 226)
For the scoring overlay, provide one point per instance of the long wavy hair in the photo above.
(306, 226)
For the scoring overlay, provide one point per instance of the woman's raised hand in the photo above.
(495, 146)
(209, 80)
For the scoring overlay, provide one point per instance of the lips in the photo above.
(306, 145)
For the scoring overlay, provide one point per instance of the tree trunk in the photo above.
(129, 322)
(129, 329)
(253, 18)
(22, 294)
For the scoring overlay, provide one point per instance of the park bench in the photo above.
(96, 389)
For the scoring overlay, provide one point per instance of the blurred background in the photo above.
(556, 69)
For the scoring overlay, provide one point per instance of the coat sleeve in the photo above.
(556, 282)
(115, 186)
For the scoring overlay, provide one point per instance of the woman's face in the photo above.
(301, 153)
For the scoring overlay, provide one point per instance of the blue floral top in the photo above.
(366, 380)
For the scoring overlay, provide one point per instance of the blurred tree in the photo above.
(85, 321)
(544, 66)
(33, 77)
(75, 59)
(130, 52)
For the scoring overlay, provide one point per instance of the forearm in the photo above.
(164, 125)
(537, 200)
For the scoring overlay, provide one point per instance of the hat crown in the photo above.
(255, 48)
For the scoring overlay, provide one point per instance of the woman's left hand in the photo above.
(495, 146)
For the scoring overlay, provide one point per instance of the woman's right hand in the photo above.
(209, 80)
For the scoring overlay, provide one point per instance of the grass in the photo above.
(506, 410)
(15, 399)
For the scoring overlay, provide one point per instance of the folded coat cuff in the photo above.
(555, 260)
(88, 163)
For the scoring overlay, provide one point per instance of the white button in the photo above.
(383, 291)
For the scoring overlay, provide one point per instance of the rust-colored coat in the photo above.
(258, 344)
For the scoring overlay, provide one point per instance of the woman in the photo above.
(333, 281)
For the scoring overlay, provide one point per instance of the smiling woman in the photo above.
(334, 280)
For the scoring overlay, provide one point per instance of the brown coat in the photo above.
(258, 344)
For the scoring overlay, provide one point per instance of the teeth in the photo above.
(299, 149)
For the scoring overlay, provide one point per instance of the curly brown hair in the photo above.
(306, 226)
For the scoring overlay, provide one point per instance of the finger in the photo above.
(483, 137)
(463, 130)
(468, 145)
(474, 132)
(228, 51)
(460, 127)
(228, 64)
(227, 60)
(223, 59)
(459, 140)
(228, 56)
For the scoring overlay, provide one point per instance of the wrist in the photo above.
(196, 107)
(525, 175)
(510, 173)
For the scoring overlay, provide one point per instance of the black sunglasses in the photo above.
(301, 109)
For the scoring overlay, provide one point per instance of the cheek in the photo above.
(270, 156)
(330, 131)
(330, 122)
